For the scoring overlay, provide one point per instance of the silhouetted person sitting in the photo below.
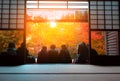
(11, 50)
(83, 52)
(22, 50)
(53, 54)
(42, 55)
(10, 56)
(93, 52)
(64, 56)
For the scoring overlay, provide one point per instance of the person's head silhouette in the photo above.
(52, 46)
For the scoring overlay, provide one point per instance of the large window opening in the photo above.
(42, 23)
(56, 22)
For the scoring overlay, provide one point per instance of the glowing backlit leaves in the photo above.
(69, 33)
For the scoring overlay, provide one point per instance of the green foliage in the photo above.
(7, 36)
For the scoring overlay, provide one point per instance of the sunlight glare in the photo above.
(52, 24)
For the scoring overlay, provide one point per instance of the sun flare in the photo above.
(52, 24)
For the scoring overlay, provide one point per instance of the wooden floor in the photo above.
(59, 72)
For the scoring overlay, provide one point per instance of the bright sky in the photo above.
(50, 14)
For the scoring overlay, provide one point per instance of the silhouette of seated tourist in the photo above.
(64, 55)
(42, 55)
(24, 54)
(93, 53)
(22, 50)
(10, 56)
(53, 54)
(11, 50)
(82, 56)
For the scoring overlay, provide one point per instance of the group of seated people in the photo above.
(44, 56)
(52, 55)
(16, 56)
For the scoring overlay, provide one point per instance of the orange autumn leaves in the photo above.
(70, 33)
(98, 41)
